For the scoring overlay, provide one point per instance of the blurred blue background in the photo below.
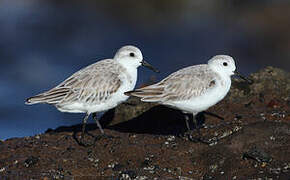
(44, 42)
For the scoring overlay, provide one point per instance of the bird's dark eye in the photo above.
(132, 54)
(225, 64)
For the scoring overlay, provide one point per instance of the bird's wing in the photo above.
(182, 85)
(93, 84)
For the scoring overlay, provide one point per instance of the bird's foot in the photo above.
(86, 140)
(196, 137)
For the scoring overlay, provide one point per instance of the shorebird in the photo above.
(192, 89)
(97, 87)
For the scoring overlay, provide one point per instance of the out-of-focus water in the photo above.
(43, 42)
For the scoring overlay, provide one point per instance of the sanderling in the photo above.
(192, 89)
(97, 87)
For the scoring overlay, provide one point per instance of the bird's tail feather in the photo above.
(51, 97)
(147, 94)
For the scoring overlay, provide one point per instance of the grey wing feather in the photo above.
(181, 85)
(93, 84)
(52, 96)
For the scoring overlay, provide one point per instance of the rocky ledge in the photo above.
(148, 141)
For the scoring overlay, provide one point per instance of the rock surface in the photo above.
(251, 142)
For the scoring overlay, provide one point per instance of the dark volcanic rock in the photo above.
(251, 142)
(257, 154)
(269, 80)
(30, 161)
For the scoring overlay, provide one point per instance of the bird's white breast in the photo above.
(209, 98)
(128, 79)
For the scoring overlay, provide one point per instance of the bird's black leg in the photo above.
(82, 140)
(85, 123)
(190, 129)
(198, 120)
(186, 122)
(98, 123)
(100, 127)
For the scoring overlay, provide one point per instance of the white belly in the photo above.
(203, 102)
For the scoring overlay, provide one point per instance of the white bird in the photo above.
(97, 87)
(192, 89)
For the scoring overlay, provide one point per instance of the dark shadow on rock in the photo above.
(104, 120)
(74, 128)
(107, 117)
(157, 120)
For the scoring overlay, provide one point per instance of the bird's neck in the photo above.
(224, 77)
(131, 73)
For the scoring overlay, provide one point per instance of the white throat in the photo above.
(131, 70)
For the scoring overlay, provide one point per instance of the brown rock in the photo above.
(252, 142)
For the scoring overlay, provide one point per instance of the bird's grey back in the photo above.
(92, 84)
(181, 85)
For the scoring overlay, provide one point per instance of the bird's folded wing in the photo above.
(182, 85)
(89, 85)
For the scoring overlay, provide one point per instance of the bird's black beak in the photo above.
(243, 77)
(149, 66)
